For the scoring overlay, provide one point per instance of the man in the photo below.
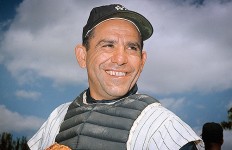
(110, 114)
(212, 135)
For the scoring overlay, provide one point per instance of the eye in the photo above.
(134, 48)
(108, 45)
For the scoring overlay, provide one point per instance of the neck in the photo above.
(90, 99)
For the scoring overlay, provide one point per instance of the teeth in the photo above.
(114, 73)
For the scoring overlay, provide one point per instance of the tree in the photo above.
(228, 124)
(7, 142)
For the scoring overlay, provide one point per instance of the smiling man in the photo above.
(110, 114)
(114, 59)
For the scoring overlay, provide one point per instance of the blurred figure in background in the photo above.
(212, 135)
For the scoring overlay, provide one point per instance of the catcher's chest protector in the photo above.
(100, 126)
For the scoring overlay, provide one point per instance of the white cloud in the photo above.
(172, 103)
(14, 122)
(190, 48)
(33, 95)
(41, 41)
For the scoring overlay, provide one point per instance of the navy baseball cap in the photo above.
(102, 13)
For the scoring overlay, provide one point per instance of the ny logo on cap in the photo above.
(120, 7)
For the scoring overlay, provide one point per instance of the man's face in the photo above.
(114, 60)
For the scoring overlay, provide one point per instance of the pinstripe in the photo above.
(178, 131)
(50, 125)
(169, 131)
(163, 140)
(53, 123)
(152, 124)
(41, 139)
(144, 124)
(161, 129)
(140, 130)
(184, 128)
(35, 142)
(155, 144)
(187, 128)
(47, 133)
(171, 136)
(153, 134)
(157, 130)
(38, 134)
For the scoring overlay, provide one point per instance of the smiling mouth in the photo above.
(116, 73)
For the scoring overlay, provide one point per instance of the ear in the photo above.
(144, 58)
(222, 141)
(81, 53)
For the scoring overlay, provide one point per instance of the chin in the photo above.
(117, 93)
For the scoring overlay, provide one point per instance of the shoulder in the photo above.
(143, 97)
(159, 128)
(58, 111)
(45, 136)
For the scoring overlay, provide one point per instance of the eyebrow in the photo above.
(103, 41)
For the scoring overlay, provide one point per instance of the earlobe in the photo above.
(80, 52)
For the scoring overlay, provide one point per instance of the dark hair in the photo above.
(212, 132)
(87, 38)
(90, 35)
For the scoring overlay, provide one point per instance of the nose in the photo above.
(119, 56)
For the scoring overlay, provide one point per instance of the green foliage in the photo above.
(228, 124)
(8, 143)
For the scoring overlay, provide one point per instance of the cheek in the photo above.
(137, 63)
(95, 61)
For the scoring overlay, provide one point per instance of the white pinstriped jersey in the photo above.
(155, 128)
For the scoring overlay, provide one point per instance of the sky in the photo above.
(189, 65)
